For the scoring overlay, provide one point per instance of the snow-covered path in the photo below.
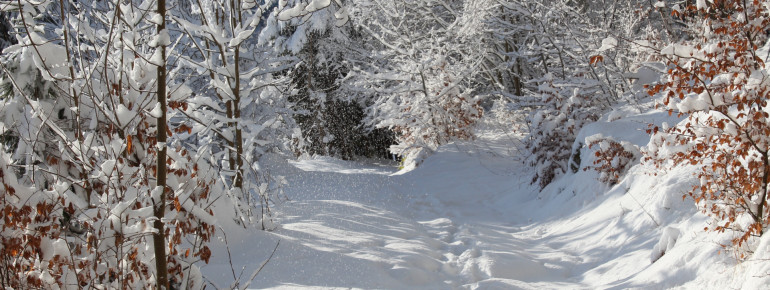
(466, 218)
(440, 226)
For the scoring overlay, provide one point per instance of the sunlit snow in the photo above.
(468, 217)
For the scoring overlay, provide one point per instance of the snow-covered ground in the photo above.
(468, 217)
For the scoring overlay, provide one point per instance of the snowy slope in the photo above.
(469, 218)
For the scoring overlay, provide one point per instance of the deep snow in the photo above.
(468, 217)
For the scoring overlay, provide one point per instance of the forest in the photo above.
(137, 135)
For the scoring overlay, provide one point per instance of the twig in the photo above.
(643, 209)
(254, 275)
(229, 256)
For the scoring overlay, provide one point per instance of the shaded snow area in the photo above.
(468, 217)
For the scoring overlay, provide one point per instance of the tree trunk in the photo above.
(236, 124)
(159, 209)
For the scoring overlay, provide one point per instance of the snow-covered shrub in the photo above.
(665, 243)
(411, 157)
(441, 114)
(613, 158)
(574, 58)
(719, 80)
(239, 108)
(556, 125)
(87, 111)
(422, 85)
(331, 120)
(33, 247)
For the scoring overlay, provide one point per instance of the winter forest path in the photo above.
(465, 218)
